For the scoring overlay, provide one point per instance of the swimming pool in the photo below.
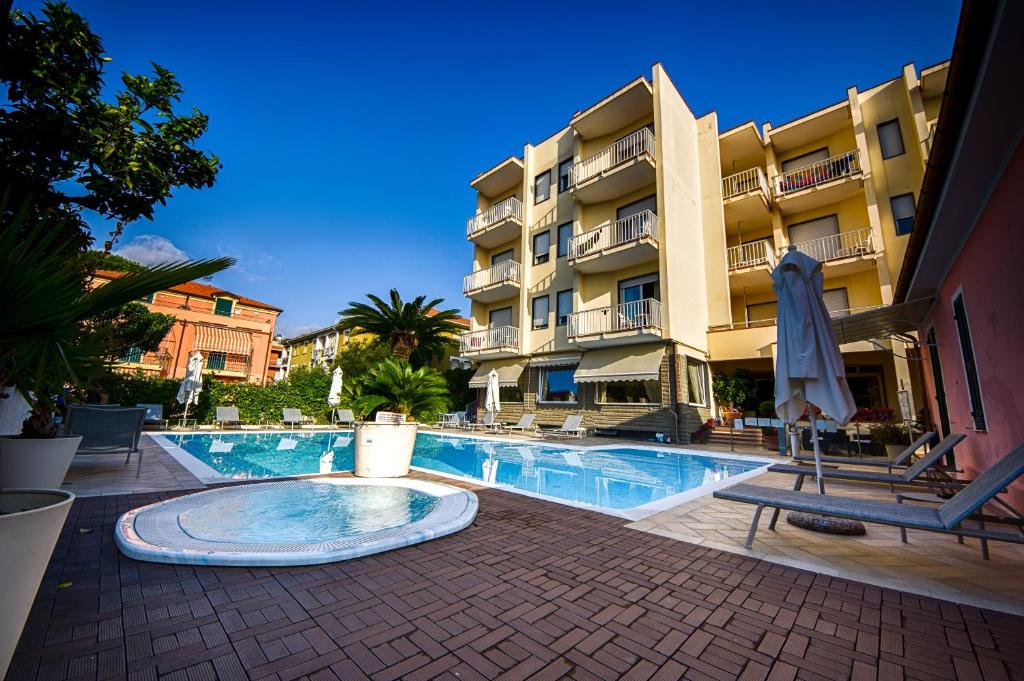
(630, 480)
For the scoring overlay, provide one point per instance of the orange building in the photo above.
(235, 334)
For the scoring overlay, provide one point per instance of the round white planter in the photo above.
(27, 463)
(894, 450)
(384, 450)
(30, 522)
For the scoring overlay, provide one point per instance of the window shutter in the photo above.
(760, 312)
(837, 302)
(903, 206)
(805, 160)
(818, 228)
(890, 139)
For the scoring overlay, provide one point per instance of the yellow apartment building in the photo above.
(623, 260)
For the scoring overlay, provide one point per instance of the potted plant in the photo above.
(730, 390)
(383, 448)
(892, 436)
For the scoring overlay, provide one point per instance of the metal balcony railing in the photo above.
(160, 358)
(491, 338)
(837, 246)
(752, 254)
(507, 272)
(629, 147)
(635, 315)
(510, 208)
(745, 182)
(222, 361)
(631, 228)
(843, 165)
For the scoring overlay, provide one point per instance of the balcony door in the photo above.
(632, 311)
(812, 237)
(500, 317)
(632, 229)
(499, 258)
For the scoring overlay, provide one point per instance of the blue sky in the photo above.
(349, 134)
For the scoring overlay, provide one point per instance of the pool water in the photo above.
(302, 514)
(608, 478)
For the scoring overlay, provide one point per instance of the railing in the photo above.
(136, 356)
(510, 208)
(629, 147)
(745, 182)
(837, 246)
(635, 315)
(756, 323)
(631, 228)
(491, 338)
(752, 254)
(812, 175)
(507, 272)
(220, 361)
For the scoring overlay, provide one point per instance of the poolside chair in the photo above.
(902, 459)
(573, 427)
(291, 417)
(524, 424)
(945, 519)
(910, 476)
(488, 423)
(107, 430)
(228, 416)
(453, 419)
(154, 415)
(343, 416)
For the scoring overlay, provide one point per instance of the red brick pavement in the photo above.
(533, 590)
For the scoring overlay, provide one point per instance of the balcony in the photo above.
(750, 263)
(629, 241)
(746, 195)
(638, 321)
(493, 283)
(827, 181)
(497, 225)
(616, 170)
(228, 365)
(494, 341)
(843, 253)
(137, 360)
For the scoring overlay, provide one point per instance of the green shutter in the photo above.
(223, 307)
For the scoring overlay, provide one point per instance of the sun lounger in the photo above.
(902, 459)
(573, 427)
(344, 416)
(946, 519)
(106, 430)
(488, 423)
(154, 415)
(524, 424)
(292, 417)
(228, 416)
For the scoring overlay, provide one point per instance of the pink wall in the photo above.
(990, 273)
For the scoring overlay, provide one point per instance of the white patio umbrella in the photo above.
(808, 366)
(334, 396)
(192, 385)
(492, 403)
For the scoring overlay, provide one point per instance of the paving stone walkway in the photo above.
(531, 590)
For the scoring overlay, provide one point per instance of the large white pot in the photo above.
(28, 463)
(894, 450)
(384, 450)
(30, 522)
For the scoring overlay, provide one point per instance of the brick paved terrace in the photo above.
(531, 590)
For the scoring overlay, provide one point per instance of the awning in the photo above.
(882, 322)
(509, 371)
(221, 339)
(555, 360)
(625, 363)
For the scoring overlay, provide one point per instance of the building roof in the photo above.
(197, 290)
(459, 321)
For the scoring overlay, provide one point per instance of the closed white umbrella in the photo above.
(334, 396)
(808, 366)
(192, 385)
(492, 403)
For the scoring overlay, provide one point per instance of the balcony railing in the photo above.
(752, 254)
(491, 338)
(837, 246)
(635, 315)
(745, 182)
(159, 358)
(631, 228)
(220, 361)
(843, 165)
(507, 272)
(629, 147)
(510, 208)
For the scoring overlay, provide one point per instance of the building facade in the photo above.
(621, 261)
(234, 333)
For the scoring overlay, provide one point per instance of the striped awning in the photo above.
(509, 372)
(221, 339)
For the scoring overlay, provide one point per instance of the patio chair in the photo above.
(524, 424)
(228, 416)
(107, 430)
(154, 415)
(945, 519)
(902, 459)
(573, 427)
(488, 423)
(345, 416)
(291, 417)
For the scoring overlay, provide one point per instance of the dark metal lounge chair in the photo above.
(902, 459)
(946, 518)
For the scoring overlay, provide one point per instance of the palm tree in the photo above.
(415, 330)
(420, 393)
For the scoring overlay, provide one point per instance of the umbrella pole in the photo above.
(813, 413)
(184, 418)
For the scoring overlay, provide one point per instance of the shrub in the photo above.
(394, 385)
(888, 434)
(766, 409)
(731, 388)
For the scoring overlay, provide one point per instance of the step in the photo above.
(739, 437)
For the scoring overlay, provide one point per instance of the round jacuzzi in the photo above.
(294, 522)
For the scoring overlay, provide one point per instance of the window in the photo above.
(500, 317)
(563, 307)
(541, 247)
(805, 160)
(696, 381)
(541, 306)
(510, 393)
(542, 187)
(564, 234)
(563, 174)
(763, 312)
(903, 212)
(649, 203)
(837, 302)
(963, 330)
(558, 384)
(629, 392)
(890, 139)
(148, 299)
(811, 230)
(499, 258)
(217, 360)
(639, 288)
(133, 355)
(223, 307)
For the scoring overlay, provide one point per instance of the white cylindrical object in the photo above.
(36, 463)
(384, 450)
